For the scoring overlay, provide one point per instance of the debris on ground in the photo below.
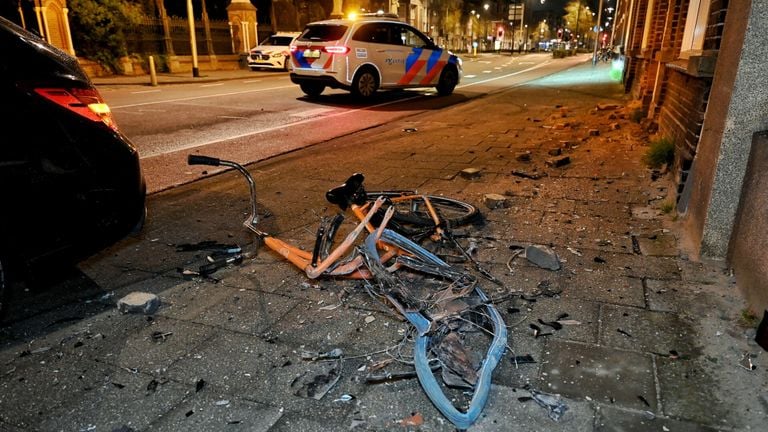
(746, 362)
(542, 256)
(219, 256)
(415, 419)
(495, 201)
(470, 173)
(551, 402)
(139, 302)
(314, 356)
(317, 380)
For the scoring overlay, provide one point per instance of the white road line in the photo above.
(285, 126)
(146, 91)
(505, 76)
(212, 85)
(310, 113)
(202, 97)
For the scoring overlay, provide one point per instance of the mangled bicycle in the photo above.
(439, 302)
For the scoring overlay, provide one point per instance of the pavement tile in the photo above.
(646, 331)
(120, 399)
(244, 311)
(357, 332)
(604, 286)
(610, 419)
(158, 345)
(505, 412)
(658, 245)
(211, 411)
(689, 391)
(598, 373)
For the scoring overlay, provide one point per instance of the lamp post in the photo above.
(597, 32)
(485, 24)
(192, 41)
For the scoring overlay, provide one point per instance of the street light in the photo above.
(485, 25)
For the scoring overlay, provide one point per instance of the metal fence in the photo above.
(148, 38)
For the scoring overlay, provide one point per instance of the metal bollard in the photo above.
(152, 74)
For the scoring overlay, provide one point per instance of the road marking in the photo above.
(505, 76)
(233, 117)
(212, 85)
(146, 91)
(279, 127)
(310, 113)
(201, 97)
(469, 76)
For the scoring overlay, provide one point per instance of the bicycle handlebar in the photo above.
(203, 160)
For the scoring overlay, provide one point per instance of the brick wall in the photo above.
(682, 114)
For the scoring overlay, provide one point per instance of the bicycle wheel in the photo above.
(410, 208)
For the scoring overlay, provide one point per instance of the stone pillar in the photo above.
(736, 110)
(337, 11)
(242, 16)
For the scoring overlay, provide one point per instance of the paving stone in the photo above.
(646, 331)
(658, 245)
(614, 419)
(246, 311)
(605, 375)
(605, 286)
(688, 391)
(208, 411)
(158, 345)
(101, 396)
(505, 411)
(139, 302)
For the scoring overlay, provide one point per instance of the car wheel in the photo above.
(365, 84)
(312, 89)
(449, 79)
(286, 64)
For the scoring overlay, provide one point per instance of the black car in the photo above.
(70, 182)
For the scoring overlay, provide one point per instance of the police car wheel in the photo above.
(365, 84)
(312, 89)
(285, 63)
(448, 81)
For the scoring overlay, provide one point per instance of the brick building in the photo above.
(696, 66)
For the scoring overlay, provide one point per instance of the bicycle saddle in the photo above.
(349, 192)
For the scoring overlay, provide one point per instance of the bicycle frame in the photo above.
(369, 263)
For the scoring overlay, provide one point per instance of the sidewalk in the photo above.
(652, 341)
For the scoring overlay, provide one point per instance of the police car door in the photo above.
(379, 43)
(424, 61)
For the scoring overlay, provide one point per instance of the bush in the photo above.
(661, 151)
(98, 30)
(559, 53)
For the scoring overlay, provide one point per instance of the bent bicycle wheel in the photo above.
(411, 208)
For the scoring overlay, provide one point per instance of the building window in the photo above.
(695, 28)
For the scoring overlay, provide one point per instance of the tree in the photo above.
(579, 19)
(98, 29)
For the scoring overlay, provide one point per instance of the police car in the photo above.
(368, 53)
(273, 52)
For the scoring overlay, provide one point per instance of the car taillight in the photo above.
(336, 49)
(86, 102)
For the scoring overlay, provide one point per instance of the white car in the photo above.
(374, 51)
(273, 52)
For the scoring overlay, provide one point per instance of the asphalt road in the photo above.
(262, 114)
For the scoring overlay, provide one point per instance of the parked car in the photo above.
(273, 52)
(371, 52)
(71, 183)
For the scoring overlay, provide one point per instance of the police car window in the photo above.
(323, 32)
(411, 38)
(372, 33)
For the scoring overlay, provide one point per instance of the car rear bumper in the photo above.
(325, 80)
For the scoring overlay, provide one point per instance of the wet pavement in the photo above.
(649, 338)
